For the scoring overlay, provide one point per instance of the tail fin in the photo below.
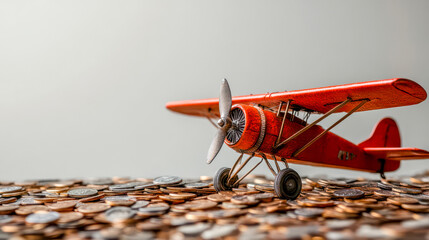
(385, 134)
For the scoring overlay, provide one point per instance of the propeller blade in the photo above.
(225, 99)
(216, 145)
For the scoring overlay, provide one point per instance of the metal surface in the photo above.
(269, 165)
(333, 110)
(238, 120)
(235, 165)
(283, 120)
(241, 167)
(327, 208)
(224, 122)
(216, 145)
(225, 100)
(329, 128)
(246, 174)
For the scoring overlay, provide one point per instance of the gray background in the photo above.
(83, 84)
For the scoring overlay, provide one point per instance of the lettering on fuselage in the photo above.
(345, 156)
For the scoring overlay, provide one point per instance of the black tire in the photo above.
(287, 184)
(220, 180)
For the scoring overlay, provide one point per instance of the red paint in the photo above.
(382, 94)
(331, 150)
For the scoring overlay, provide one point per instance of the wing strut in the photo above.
(329, 128)
(333, 110)
(284, 118)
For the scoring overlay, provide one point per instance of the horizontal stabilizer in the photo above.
(397, 153)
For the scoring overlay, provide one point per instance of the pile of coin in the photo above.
(170, 207)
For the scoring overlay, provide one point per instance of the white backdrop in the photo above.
(83, 84)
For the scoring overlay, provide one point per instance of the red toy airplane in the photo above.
(267, 126)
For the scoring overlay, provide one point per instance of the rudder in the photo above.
(385, 134)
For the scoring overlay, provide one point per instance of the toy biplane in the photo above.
(267, 126)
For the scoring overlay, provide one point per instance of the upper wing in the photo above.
(381, 94)
(398, 153)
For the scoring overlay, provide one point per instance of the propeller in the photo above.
(224, 123)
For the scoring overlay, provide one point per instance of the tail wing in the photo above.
(385, 134)
(392, 153)
(385, 143)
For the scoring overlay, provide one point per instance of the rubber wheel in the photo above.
(220, 180)
(287, 184)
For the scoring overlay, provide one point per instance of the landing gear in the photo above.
(287, 184)
(221, 181)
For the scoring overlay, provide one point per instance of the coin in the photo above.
(66, 217)
(42, 217)
(219, 231)
(140, 204)
(93, 208)
(194, 229)
(309, 212)
(218, 198)
(166, 180)
(63, 205)
(197, 185)
(119, 214)
(10, 189)
(7, 209)
(125, 207)
(7, 200)
(182, 195)
(407, 190)
(349, 193)
(244, 199)
(26, 210)
(5, 219)
(82, 192)
(402, 200)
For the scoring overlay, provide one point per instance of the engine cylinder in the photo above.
(252, 128)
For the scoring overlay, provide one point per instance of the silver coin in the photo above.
(146, 185)
(165, 180)
(119, 214)
(154, 209)
(5, 219)
(10, 189)
(118, 198)
(296, 232)
(82, 192)
(309, 212)
(180, 221)
(126, 185)
(98, 181)
(42, 217)
(27, 201)
(416, 224)
(138, 236)
(194, 229)
(339, 224)
(123, 189)
(140, 204)
(197, 185)
(219, 231)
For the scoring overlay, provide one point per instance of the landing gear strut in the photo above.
(221, 181)
(287, 184)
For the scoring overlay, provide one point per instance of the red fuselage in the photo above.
(262, 129)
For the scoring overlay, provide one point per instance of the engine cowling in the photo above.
(260, 130)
